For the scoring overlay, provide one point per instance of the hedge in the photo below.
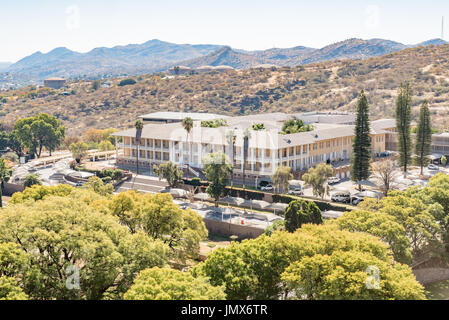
(323, 205)
(245, 194)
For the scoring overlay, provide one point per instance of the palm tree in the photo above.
(246, 137)
(5, 174)
(187, 123)
(139, 126)
(231, 140)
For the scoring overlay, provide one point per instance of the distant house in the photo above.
(54, 83)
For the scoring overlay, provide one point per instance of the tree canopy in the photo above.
(169, 284)
(38, 132)
(294, 264)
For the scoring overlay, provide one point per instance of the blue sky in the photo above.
(27, 26)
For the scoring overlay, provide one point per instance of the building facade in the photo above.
(268, 149)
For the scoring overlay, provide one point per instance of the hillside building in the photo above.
(54, 83)
(329, 142)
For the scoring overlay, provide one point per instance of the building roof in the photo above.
(178, 116)
(268, 139)
(55, 79)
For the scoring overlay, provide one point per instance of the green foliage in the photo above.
(60, 232)
(170, 172)
(35, 133)
(5, 174)
(277, 225)
(281, 177)
(159, 218)
(361, 155)
(10, 290)
(423, 136)
(31, 180)
(317, 178)
(295, 126)
(127, 82)
(403, 120)
(97, 185)
(169, 284)
(258, 126)
(79, 150)
(105, 145)
(284, 265)
(443, 160)
(300, 212)
(218, 171)
(216, 123)
(38, 192)
(382, 225)
(11, 156)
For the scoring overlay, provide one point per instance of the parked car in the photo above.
(355, 200)
(433, 167)
(343, 197)
(333, 180)
(296, 191)
(79, 184)
(268, 187)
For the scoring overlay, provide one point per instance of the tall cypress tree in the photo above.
(403, 119)
(423, 136)
(361, 148)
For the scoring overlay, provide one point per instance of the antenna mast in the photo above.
(442, 28)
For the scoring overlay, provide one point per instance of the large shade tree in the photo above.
(38, 132)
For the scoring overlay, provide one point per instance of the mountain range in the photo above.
(156, 56)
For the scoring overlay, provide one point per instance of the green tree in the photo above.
(105, 145)
(317, 178)
(284, 265)
(31, 180)
(346, 275)
(361, 154)
(443, 161)
(10, 290)
(43, 130)
(169, 284)
(294, 126)
(403, 119)
(127, 82)
(423, 136)
(97, 185)
(281, 177)
(187, 124)
(160, 218)
(170, 172)
(382, 225)
(5, 174)
(79, 150)
(300, 212)
(218, 171)
(139, 126)
(64, 232)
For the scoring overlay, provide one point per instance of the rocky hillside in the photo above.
(330, 85)
(155, 56)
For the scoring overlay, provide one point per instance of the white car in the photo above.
(333, 180)
(433, 167)
(296, 192)
(268, 187)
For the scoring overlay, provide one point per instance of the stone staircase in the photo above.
(145, 184)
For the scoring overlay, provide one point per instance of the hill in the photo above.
(348, 49)
(155, 56)
(332, 85)
(151, 56)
